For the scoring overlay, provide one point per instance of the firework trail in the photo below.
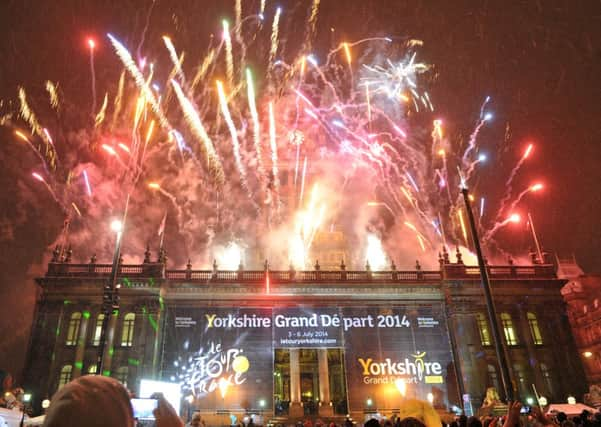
(203, 68)
(87, 182)
(312, 24)
(472, 141)
(509, 182)
(256, 124)
(129, 63)
(92, 46)
(229, 56)
(531, 189)
(52, 90)
(357, 136)
(238, 27)
(234, 134)
(193, 120)
(177, 62)
(274, 154)
(40, 178)
(118, 100)
(29, 116)
(275, 30)
(101, 114)
(513, 218)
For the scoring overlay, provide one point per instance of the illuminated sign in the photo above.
(223, 357)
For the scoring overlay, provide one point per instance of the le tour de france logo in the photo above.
(416, 368)
(213, 368)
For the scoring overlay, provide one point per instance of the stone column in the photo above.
(110, 344)
(531, 352)
(81, 344)
(296, 408)
(325, 402)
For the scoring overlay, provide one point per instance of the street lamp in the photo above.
(110, 295)
(490, 306)
(26, 400)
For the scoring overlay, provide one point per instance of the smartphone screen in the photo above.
(143, 408)
(525, 410)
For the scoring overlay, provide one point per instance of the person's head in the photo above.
(411, 422)
(474, 422)
(561, 417)
(372, 422)
(421, 410)
(93, 401)
(196, 420)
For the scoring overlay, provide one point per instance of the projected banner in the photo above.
(221, 356)
(307, 327)
(388, 349)
(224, 356)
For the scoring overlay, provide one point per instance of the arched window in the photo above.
(98, 329)
(493, 378)
(508, 330)
(65, 375)
(537, 338)
(122, 374)
(483, 329)
(127, 333)
(547, 378)
(520, 377)
(73, 330)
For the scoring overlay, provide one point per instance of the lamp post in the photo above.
(26, 400)
(490, 306)
(110, 297)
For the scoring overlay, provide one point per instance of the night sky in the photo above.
(540, 61)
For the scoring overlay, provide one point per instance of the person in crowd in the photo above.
(93, 401)
(474, 422)
(411, 422)
(420, 410)
(372, 422)
(98, 401)
(197, 420)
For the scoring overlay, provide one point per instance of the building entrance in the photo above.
(309, 382)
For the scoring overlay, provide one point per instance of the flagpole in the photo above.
(536, 242)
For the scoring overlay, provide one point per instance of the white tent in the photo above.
(569, 409)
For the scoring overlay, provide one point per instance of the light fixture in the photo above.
(45, 403)
(571, 400)
(587, 354)
(542, 401)
(116, 226)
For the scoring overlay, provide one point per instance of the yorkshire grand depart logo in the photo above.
(417, 369)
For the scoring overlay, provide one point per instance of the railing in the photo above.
(538, 271)
(157, 271)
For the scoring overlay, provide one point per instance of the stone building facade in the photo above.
(146, 334)
(582, 294)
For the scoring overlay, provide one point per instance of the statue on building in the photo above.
(492, 404)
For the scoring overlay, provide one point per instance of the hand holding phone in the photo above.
(144, 408)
